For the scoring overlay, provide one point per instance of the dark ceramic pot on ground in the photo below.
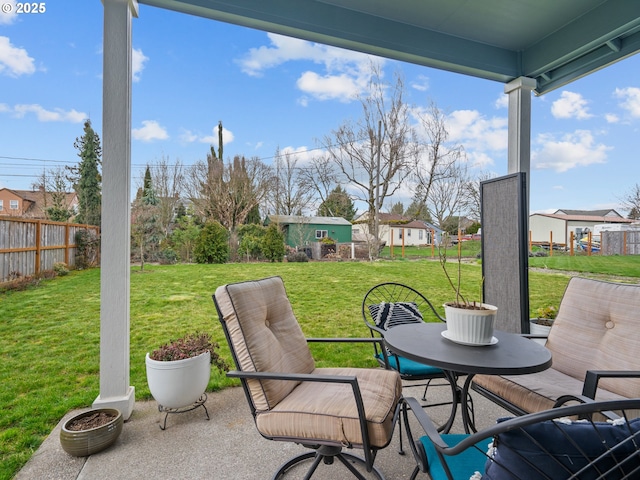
(82, 443)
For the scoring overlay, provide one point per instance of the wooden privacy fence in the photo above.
(621, 243)
(28, 247)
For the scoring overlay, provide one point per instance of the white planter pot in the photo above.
(473, 327)
(537, 329)
(179, 383)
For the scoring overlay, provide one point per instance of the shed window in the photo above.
(13, 204)
(1, 205)
(321, 233)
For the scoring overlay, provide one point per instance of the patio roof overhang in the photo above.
(529, 45)
(551, 41)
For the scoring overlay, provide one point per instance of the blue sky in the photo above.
(275, 92)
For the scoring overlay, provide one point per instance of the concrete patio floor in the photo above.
(227, 447)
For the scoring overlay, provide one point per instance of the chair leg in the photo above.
(327, 454)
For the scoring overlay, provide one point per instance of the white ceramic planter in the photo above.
(537, 329)
(473, 327)
(179, 383)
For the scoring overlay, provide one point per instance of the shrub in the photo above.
(297, 257)
(87, 245)
(60, 268)
(212, 245)
(273, 244)
(168, 256)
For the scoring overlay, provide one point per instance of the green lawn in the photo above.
(49, 354)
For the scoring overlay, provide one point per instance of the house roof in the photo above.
(38, 199)
(585, 218)
(596, 213)
(308, 220)
(551, 41)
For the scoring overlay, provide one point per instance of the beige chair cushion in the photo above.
(266, 336)
(597, 328)
(537, 391)
(327, 411)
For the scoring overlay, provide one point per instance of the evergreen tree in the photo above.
(338, 204)
(146, 231)
(86, 177)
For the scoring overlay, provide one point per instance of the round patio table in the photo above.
(508, 354)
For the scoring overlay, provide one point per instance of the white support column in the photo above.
(519, 146)
(519, 91)
(115, 390)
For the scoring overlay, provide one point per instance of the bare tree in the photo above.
(168, 182)
(54, 187)
(228, 192)
(438, 166)
(320, 177)
(448, 196)
(631, 202)
(473, 195)
(376, 153)
(290, 195)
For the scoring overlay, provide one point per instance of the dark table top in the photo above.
(511, 355)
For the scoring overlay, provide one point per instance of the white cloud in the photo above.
(138, 59)
(14, 61)
(630, 100)
(611, 118)
(8, 18)
(502, 101)
(421, 83)
(330, 87)
(475, 131)
(188, 136)
(150, 131)
(577, 149)
(44, 115)
(571, 105)
(346, 73)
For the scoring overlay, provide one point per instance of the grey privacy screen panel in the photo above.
(505, 257)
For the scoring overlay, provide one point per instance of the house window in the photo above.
(321, 234)
(1, 205)
(420, 234)
(399, 233)
(409, 233)
(13, 204)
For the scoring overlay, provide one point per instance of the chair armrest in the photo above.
(593, 377)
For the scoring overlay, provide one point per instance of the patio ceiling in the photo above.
(551, 41)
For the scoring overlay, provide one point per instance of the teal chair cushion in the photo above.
(462, 466)
(410, 367)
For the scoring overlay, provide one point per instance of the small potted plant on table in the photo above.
(178, 373)
(468, 322)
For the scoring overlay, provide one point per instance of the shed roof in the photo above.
(585, 218)
(308, 220)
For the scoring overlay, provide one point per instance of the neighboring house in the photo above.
(561, 223)
(300, 230)
(31, 204)
(398, 230)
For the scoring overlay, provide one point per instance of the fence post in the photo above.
(36, 266)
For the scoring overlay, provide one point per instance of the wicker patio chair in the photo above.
(324, 409)
(569, 442)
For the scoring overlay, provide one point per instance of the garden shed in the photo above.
(300, 230)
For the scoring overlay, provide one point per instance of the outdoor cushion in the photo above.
(409, 367)
(388, 314)
(328, 411)
(567, 443)
(461, 466)
(264, 324)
